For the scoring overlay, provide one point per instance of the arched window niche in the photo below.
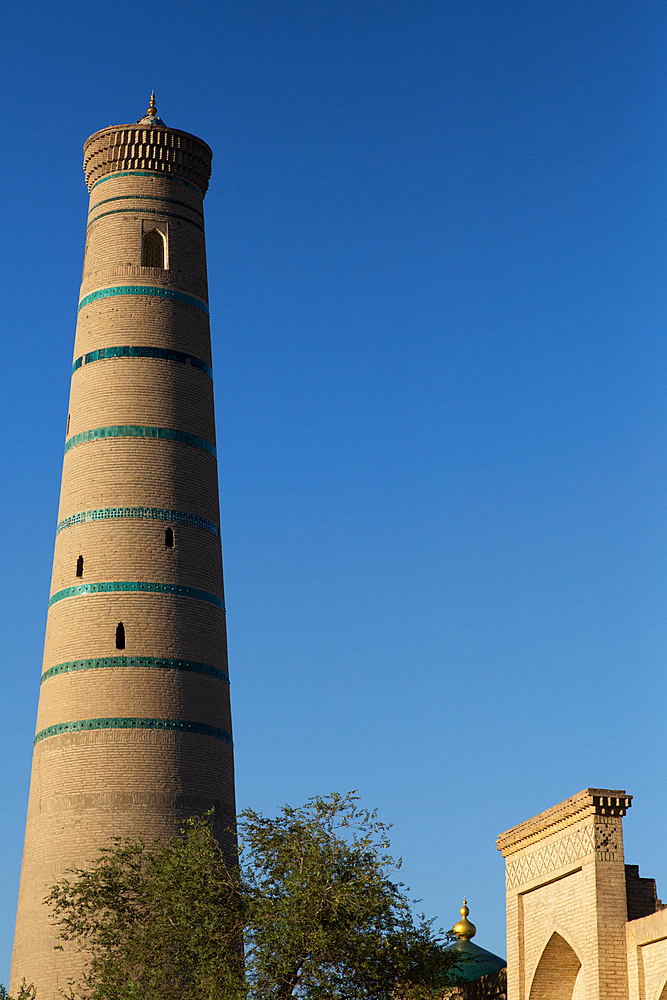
(558, 974)
(153, 249)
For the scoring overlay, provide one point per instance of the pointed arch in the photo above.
(663, 993)
(556, 972)
(153, 249)
(579, 991)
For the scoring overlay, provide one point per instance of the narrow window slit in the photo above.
(169, 538)
(79, 566)
(67, 431)
(120, 636)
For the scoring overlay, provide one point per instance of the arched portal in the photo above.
(557, 971)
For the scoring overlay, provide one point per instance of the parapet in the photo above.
(150, 147)
(590, 802)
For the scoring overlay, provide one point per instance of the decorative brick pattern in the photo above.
(152, 662)
(145, 211)
(160, 293)
(175, 725)
(148, 197)
(566, 901)
(609, 840)
(139, 513)
(140, 471)
(551, 857)
(165, 433)
(145, 173)
(135, 586)
(154, 353)
(151, 148)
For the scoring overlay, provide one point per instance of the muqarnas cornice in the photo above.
(152, 148)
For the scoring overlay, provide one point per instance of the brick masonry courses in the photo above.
(567, 914)
(581, 924)
(130, 741)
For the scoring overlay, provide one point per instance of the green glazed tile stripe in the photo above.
(130, 430)
(148, 197)
(190, 666)
(145, 211)
(136, 587)
(160, 293)
(144, 513)
(130, 351)
(146, 173)
(177, 725)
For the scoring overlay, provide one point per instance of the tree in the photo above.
(325, 920)
(26, 992)
(313, 902)
(156, 921)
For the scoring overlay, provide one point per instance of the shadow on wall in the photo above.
(557, 974)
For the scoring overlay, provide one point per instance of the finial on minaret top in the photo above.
(151, 117)
(464, 929)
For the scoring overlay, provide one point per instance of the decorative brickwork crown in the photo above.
(590, 802)
(154, 148)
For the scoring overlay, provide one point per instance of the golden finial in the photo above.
(464, 929)
(152, 110)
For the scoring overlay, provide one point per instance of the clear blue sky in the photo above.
(437, 247)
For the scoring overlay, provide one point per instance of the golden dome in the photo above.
(464, 929)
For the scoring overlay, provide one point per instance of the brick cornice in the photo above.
(589, 802)
(152, 148)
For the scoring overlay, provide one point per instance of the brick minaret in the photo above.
(133, 727)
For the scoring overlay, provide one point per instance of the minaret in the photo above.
(134, 726)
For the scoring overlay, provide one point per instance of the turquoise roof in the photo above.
(478, 961)
(151, 120)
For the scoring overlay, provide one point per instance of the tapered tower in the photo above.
(134, 725)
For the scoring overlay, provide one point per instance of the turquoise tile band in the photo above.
(148, 197)
(136, 587)
(146, 173)
(132, 430)
(160, 293)
(142, 513)
(145, 211)
(130, 351)
(155, 662)
(173, 725)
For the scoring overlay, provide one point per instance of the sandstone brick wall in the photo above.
(566, 901)
(646, 940)
(641, 894)
(130, 740)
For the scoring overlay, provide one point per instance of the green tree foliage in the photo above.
(311, 913)
(156, 922)
(26, 992)
(326, 921)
